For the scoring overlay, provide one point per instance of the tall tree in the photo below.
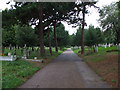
(93, 37)
(76, 20)
(53, 13)
(109, 20)
(25, 35)
(62, 36)
(78, 36)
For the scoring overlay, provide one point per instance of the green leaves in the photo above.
(26, 35)
(93, 36)
(109, 21)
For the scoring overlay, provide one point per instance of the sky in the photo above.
(91, 18)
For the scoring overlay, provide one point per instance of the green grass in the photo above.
(47, 54)
(96, 57)
(14, 73)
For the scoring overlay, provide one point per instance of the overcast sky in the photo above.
(91, 18)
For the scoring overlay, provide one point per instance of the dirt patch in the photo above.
(107, 68)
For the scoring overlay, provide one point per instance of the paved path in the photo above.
(66, 71)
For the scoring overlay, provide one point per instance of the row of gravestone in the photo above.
(103, 45)
(25, 52)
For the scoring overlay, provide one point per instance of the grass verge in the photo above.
(15, 73)
(105, 64)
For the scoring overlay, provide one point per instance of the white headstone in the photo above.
(105, 45)
(35, 57)
(9, 54)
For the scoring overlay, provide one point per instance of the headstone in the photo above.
(105, 45)
(109, 44)
(35, 57)
(9, 54)
(96, 49)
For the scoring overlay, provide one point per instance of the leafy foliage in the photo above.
(26, 35)
(109, 20)
(93, 36)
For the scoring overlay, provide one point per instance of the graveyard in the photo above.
(59, 44)
(17, 72)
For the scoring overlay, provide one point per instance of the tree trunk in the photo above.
(83, 24)
(50, 48)
(2, 50)
(55, 37)
(42, 49)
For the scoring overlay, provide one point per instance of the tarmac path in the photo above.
(68, 70)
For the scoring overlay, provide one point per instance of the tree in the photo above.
(59, 13)
(109, 20)
(62, 36)
(53, 13)
(8, 37)
(25, 35)
(72, 40)
(80, 8)
(78, 36)
(93, 37)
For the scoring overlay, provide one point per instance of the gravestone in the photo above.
(96, 49)
(24, 52)
(9, 54)
(105, 45)
(35, 57)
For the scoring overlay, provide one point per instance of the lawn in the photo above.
(15, 73)
(103, 63)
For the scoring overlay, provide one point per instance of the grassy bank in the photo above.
(103, 63)
(15, 73)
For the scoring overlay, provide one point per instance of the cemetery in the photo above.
(58, 44)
